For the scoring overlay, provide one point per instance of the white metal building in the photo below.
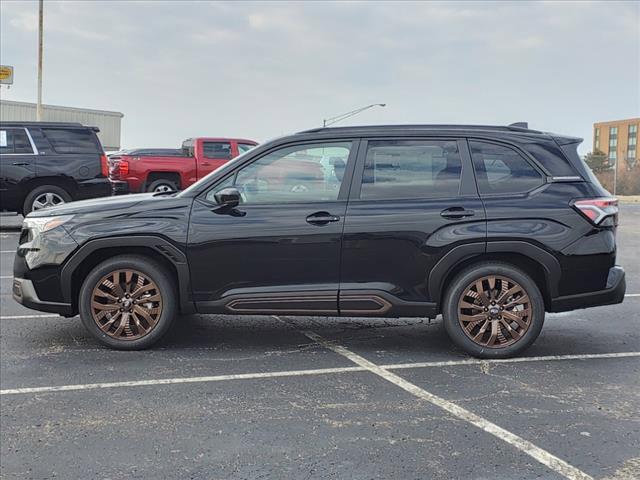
(108, 122)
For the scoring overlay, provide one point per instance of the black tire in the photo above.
(150, 269)
(157, 185)
(53, 191)
(459, 286)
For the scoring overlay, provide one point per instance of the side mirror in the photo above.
(228, 197)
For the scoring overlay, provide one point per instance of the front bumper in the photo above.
(25, 294)
(119, 187)
(612, 294)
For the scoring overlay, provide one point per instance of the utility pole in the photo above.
(39, 106)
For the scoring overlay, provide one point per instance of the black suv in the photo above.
(490, 226)
(44, 164)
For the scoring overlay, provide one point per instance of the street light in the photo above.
(338, 118)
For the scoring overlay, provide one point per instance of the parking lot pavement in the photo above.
(295, 397)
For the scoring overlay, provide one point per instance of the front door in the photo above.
(17, 164)
(414, 208)
(279, 250)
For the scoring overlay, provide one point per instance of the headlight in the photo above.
(43, 224)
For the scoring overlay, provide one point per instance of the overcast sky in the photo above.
(259, 70)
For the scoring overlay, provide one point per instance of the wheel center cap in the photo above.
(126, 304)
(494, 310)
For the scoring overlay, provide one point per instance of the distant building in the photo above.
(618, 139)
(108, 122)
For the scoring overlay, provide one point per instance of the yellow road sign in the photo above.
(6, 74)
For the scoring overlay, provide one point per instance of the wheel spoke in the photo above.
(141, 290)
(515, 318)
(481, 295)
(464, 304)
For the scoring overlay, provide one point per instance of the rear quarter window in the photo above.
(502, 170)
(72, 140)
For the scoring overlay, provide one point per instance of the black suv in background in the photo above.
(490, 226)
(45, 164)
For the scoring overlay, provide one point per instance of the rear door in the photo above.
(17, 164)
(212, 155)
(413, 208)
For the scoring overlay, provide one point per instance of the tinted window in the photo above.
(216, 149)
(501, 169)
(411, 169)
(72, 140)
(14, 140)
(244, 147)
(303, 173)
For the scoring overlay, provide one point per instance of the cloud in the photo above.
(259, 69)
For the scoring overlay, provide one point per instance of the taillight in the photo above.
(104, 165)
(123, 167)
(598, 209)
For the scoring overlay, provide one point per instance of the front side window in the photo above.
(302, 173)
(405, 169)
(14, 140)
(502, 170)
(216, 150)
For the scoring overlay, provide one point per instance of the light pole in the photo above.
(338, 118)
(39, 105)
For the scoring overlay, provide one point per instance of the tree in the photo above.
(597, 161)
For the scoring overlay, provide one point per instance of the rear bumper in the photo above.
(94, 188)
(612, 294)
(119, 187)
(25, 294)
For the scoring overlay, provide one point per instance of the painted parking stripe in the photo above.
(173, 381)
(7, 251)
(19, 317)
(292, 373)
(525, 446)
(544, 358)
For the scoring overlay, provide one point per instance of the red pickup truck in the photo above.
(163, 169)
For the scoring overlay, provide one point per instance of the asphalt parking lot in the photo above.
(303, 398)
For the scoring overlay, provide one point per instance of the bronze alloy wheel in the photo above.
(494, 311)
(126, 304)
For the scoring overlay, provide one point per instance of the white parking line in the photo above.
(537, 453)
(295, 373)
(7, 251)
(19, 317)
(173, 381)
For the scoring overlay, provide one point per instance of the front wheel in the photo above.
(127, 302)
(162, 185)
(493, 310)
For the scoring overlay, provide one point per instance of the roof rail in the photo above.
(520, 125)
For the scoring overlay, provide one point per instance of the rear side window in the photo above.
(403, 169)
(216, 149)
(14, 140)
(502, 170)
(72, 140)
(244, 147)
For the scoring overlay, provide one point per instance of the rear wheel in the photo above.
(162, 185)
(45, 196)
(493, 310)
(127, 302)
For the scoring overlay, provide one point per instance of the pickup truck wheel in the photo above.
(493, 310)
(127, 302)
(45, 196)
(162, 185)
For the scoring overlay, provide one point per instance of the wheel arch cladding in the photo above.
(94, 252)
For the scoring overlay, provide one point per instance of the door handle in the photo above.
(21, 164)
(457, 212)
(322, 218)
